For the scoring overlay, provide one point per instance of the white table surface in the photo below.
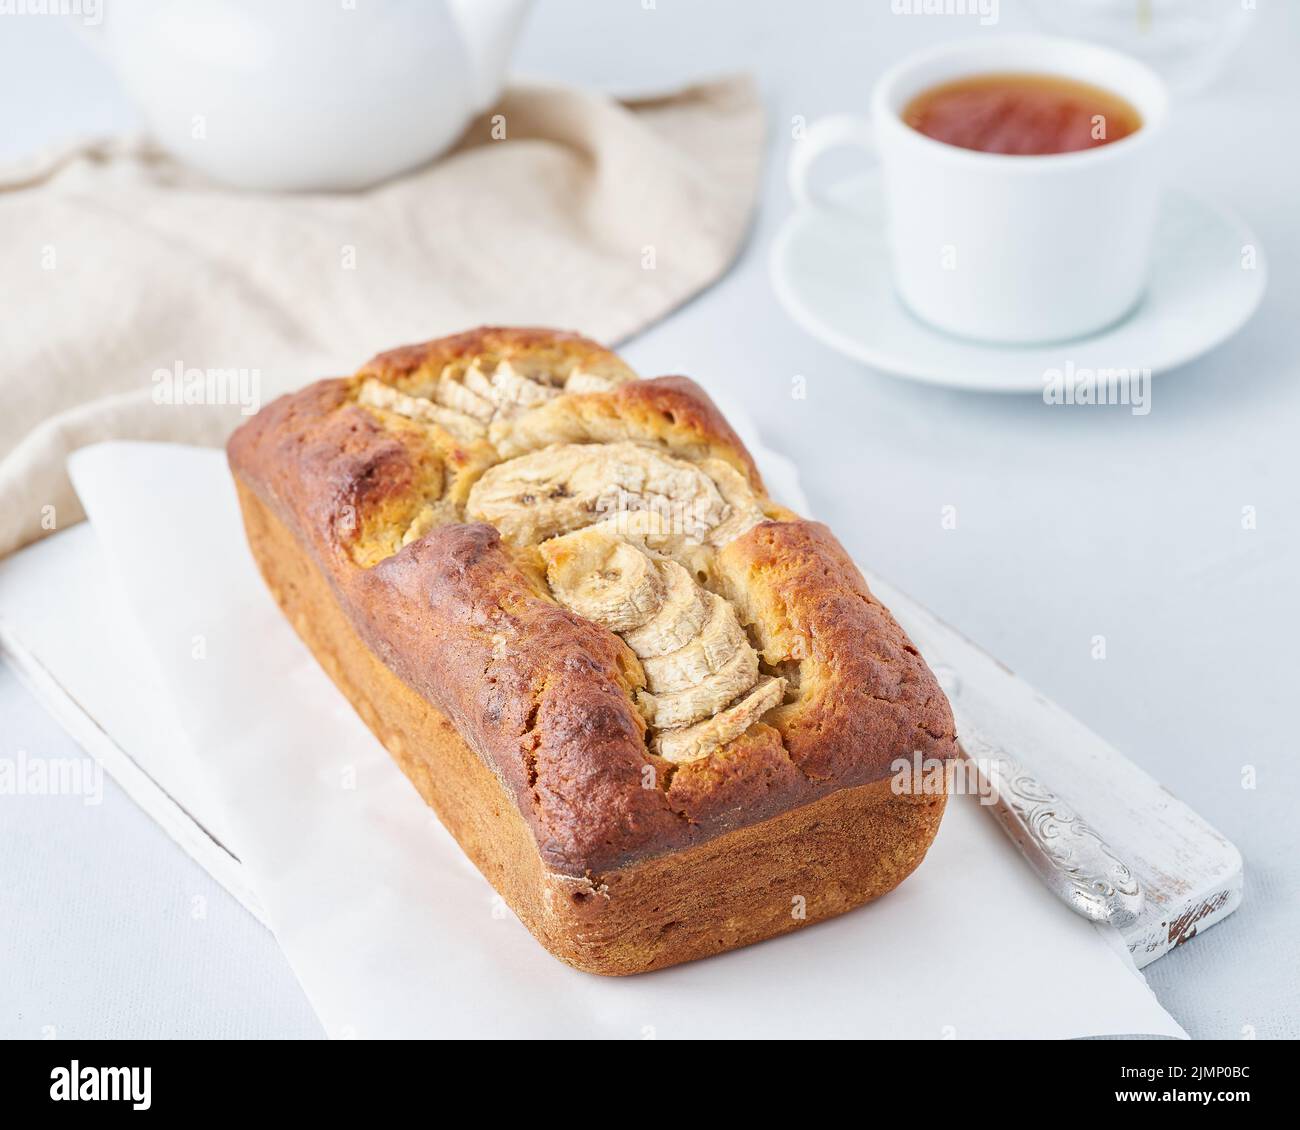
(1072, 523)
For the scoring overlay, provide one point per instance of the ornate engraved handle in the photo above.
(1078, 866)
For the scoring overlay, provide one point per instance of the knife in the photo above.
(1070, 856)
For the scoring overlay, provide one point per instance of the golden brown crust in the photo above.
(408, 365)
(547, 698)
(865, 694)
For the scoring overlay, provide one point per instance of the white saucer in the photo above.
(831, 273)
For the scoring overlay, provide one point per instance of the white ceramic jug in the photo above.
(309, 94)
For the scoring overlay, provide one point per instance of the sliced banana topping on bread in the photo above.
(450, 393)
(690, 743)
(564, 487)
(698, 663)
(745, 513)
(509, 391)
(719, 640)
(376, 394)
(602, 578)
(708, 696)
(679, 619)
(594, 377)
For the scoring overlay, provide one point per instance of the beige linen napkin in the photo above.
(559, 207)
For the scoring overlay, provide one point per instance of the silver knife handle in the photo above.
(1069, 856)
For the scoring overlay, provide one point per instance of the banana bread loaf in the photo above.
(655, 708)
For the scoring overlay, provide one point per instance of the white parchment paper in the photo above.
(393, 932)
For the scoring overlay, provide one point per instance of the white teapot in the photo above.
(308, 94)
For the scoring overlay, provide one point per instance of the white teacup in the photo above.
(1008, 248)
